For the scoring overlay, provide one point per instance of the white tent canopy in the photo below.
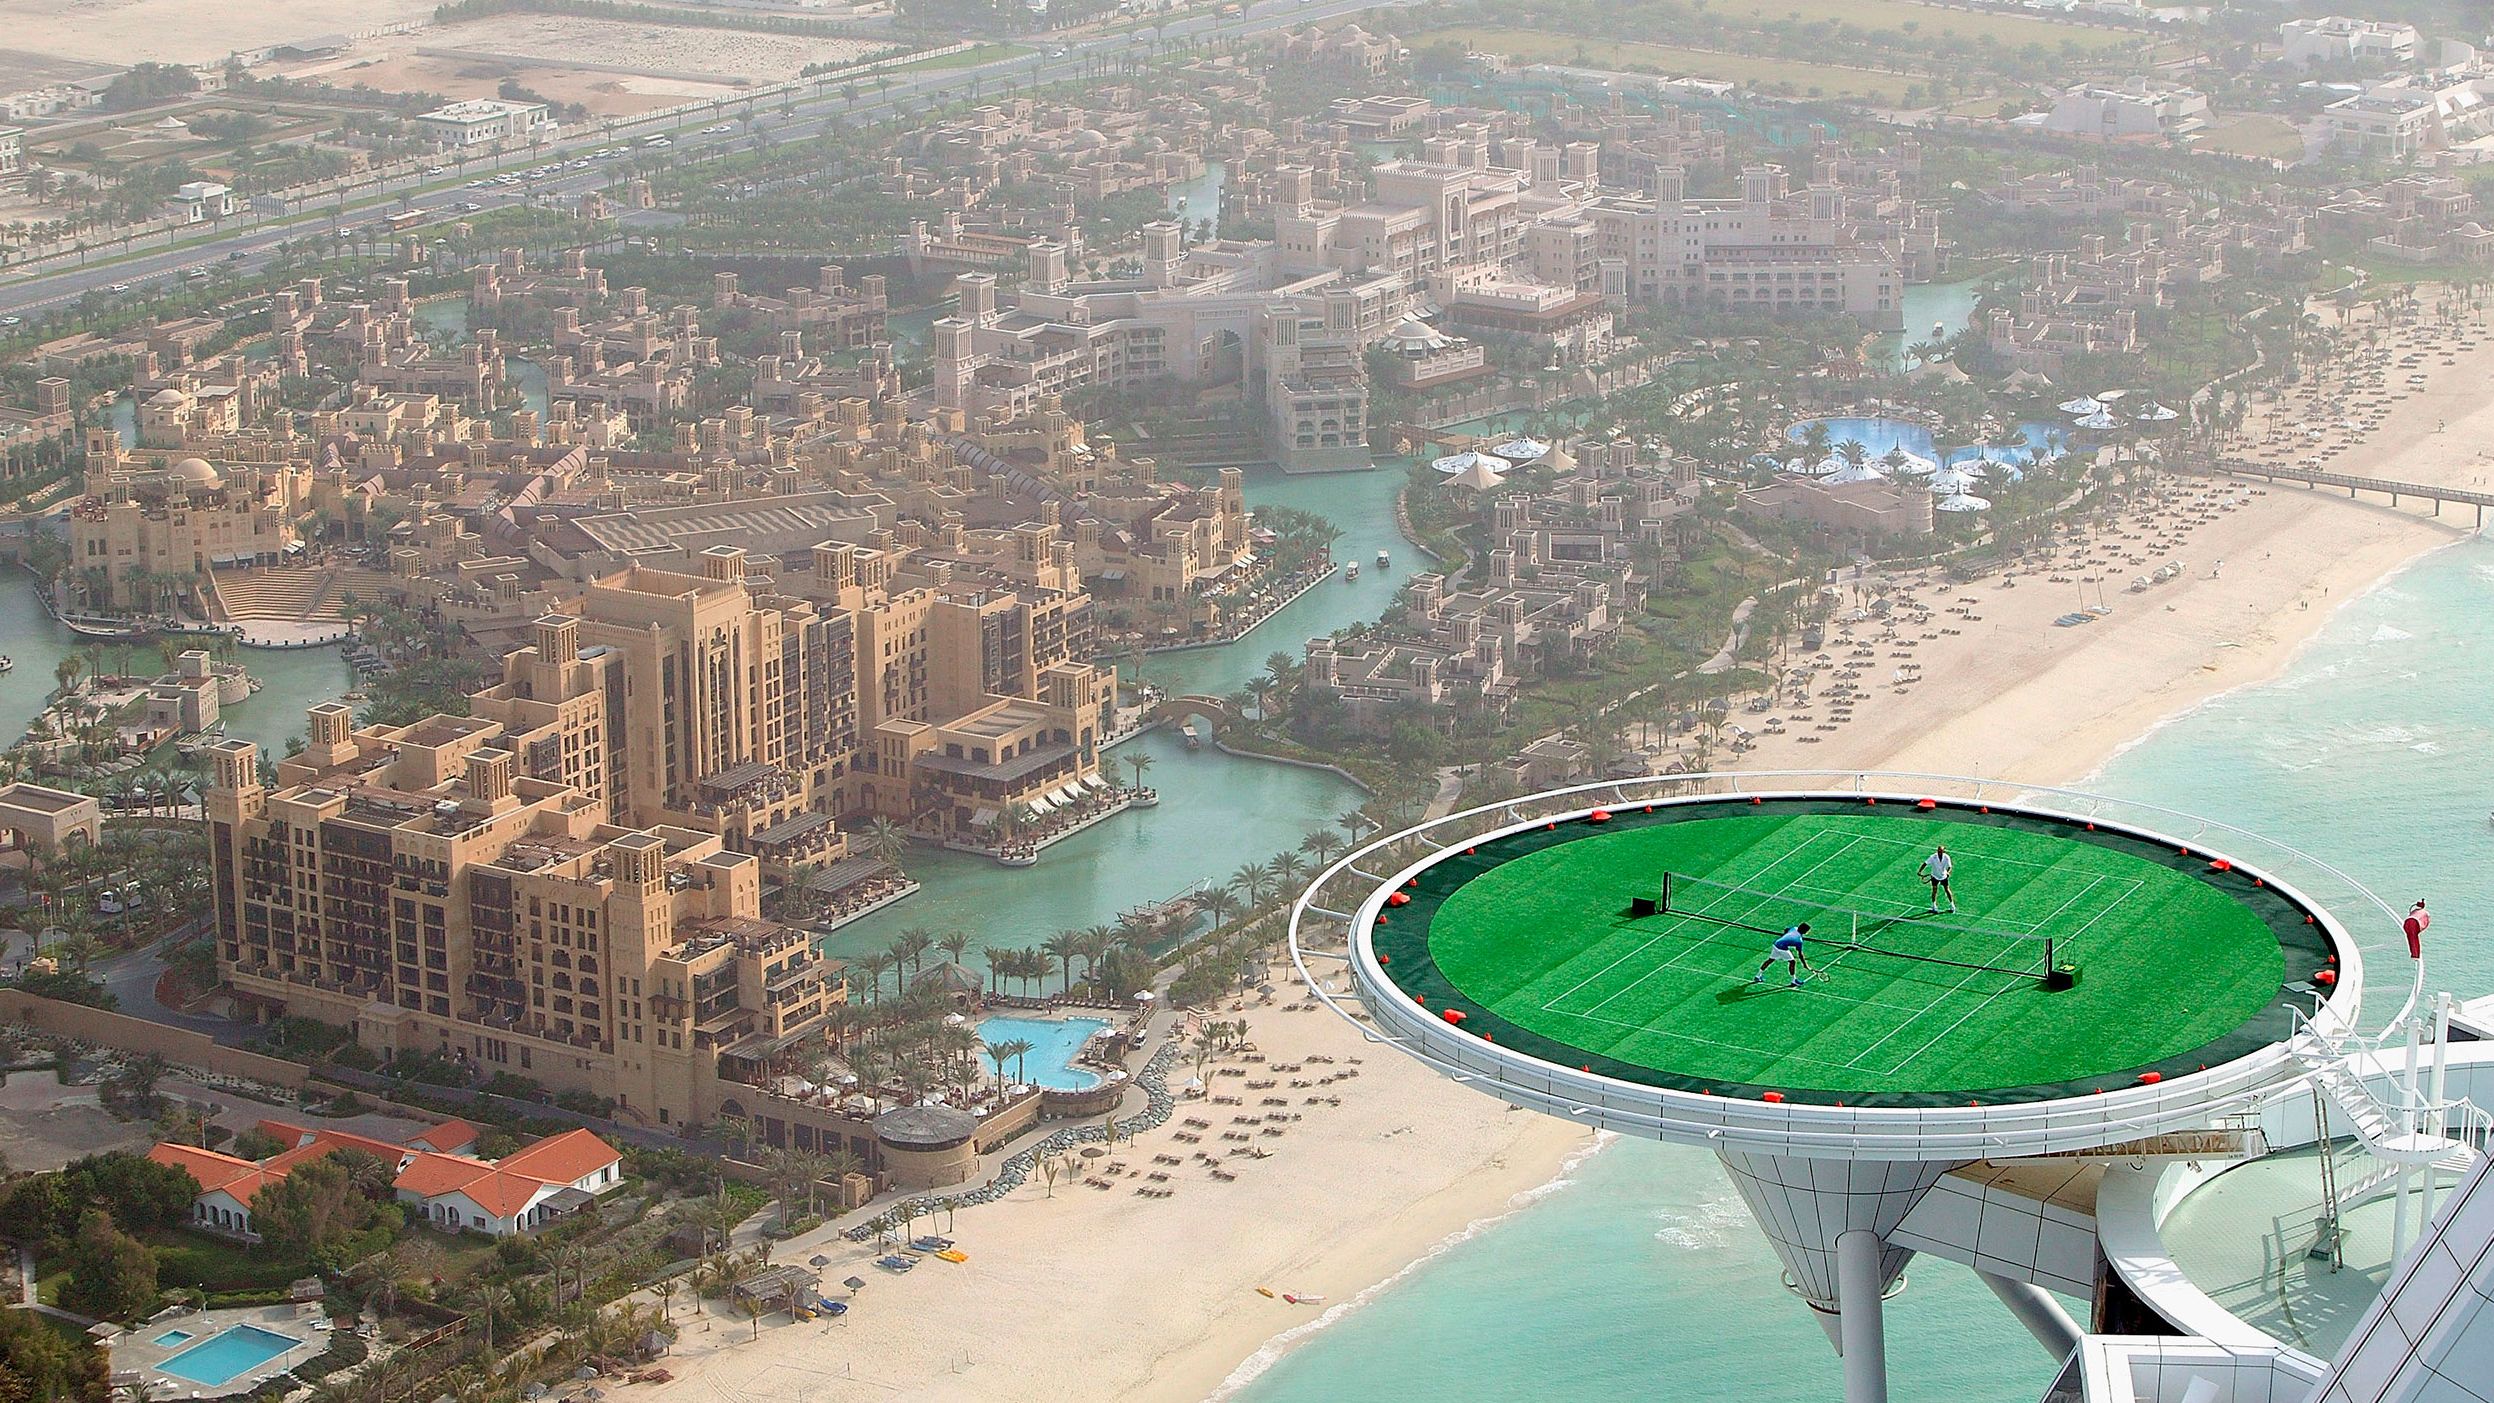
(2080, 405)
(1522, 449)
(1479, 475)
(1963, 502)
(2157, 414)
(2099, 420)
(1454, 463)
(1857, 472)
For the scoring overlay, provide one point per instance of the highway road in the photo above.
(249, 245)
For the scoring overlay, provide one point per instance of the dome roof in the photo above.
(195, 471)
(166, 398)
(927, 1127)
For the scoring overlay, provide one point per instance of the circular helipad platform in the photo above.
(2092, 978)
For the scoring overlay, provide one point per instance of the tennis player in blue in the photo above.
(1787, 951)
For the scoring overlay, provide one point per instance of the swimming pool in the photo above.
(1054, 1041)
(170, 1338)
(1880, 435)
(236, 1352)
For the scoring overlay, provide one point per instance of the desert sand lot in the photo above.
(123, 32)
(718, 55)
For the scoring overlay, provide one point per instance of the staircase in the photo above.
(2383, 1129)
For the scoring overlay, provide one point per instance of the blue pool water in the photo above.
(236, 1352)
(2375, 748)
(1880, 435)
(1054, 1041)
(170, 1338)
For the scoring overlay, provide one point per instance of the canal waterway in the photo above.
(290, 680)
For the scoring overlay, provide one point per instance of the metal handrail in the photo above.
(1562, 1092)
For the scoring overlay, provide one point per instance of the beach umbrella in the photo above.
(818, 1261)
(855, 1284)
(2080, 405)
(585, 1372)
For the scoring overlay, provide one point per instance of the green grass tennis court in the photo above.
(1531, 938)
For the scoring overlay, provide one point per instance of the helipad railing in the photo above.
(1339, 902)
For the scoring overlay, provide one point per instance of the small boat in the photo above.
(6, 662)
(1383, 560)
(1350, 573)
(932, 1243)
(1267, 1291)
(1194, 738)
(953, 1254)
(896, 1262)
(1305, 1300)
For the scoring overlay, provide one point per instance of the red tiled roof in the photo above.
(449, 1137)
(238, 1178)
(562, 1159)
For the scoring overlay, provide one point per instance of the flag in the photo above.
(2415, 924)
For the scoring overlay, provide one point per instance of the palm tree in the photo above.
(1141, 763)
(1320, 844)
(912, 946)
(885, 841)
(1288, 867)
(1000, 1052)
(1249, 881)
(1063, 947)
(1221, 904)
(873, 964)
(953, 943)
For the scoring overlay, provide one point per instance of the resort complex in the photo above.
(1245, 701)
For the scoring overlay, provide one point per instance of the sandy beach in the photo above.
(1114, 1295)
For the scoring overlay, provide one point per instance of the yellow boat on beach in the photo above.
(953, 1254)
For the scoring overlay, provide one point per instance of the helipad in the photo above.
(1629, 945)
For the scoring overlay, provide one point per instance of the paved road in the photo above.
(252, 246)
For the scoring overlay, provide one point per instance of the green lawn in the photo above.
(1532, 940)
(1821, 80)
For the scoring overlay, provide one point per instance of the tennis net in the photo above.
(1905, 934)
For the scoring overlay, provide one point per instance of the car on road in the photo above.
(118, 287)
(11, 321)
(469, 207)
(715, 128)
(237, 256)
(1058, 52)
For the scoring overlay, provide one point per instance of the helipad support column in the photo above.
(1820, 1213)
(1859, 1284)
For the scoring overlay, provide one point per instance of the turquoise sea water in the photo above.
(2376, 748)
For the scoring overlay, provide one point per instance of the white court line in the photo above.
(1761, 900)
(1935, 1038)
(1795, 851)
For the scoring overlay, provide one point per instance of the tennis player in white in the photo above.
(1936, 869)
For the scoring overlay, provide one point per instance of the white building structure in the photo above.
(2339, 39)
(2403, 119)
(199, 201)
(486, 121)
(2135, 107)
